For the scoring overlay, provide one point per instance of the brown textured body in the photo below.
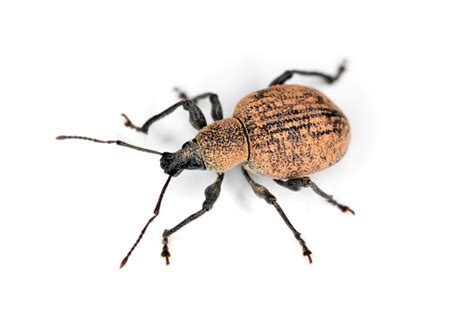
(293, 131)
(282, 132)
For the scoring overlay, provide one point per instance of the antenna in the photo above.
(117, 142)
(156, 212)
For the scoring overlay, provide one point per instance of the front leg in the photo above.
(212, 193)
(216, 109)
(196, 117)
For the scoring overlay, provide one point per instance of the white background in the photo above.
(71, 210)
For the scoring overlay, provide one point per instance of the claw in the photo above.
(180, 93)
(127, 121)
(166, 254)
(346, 209)
(124, 262)
(343, 65)
(308, 253)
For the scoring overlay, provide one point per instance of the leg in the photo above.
(212, 193)
(304, 182)
(196, 117)
(285, 76)
(263, 193)
(216, 109)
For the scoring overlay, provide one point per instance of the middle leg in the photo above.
(263, 193)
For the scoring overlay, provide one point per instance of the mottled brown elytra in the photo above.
(285, 132)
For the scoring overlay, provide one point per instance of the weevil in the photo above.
(285, 132)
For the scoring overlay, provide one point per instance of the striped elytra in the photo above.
(282, 132)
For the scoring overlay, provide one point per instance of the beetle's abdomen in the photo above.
(223, 145)
(293, 131)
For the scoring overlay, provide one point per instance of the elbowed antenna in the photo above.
(156, 213)
(117, 142)
(158, 204)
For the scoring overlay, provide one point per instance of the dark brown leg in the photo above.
(304, 182)
(285, 76)
(196, 117)
(212, 193)
(216, 109)
(263, 193)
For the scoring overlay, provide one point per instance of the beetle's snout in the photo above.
(188, 158)
(167, 163)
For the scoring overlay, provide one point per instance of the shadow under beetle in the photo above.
(285, 132)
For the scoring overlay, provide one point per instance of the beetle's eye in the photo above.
(189, 143)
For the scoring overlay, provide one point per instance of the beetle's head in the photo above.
(187, 158)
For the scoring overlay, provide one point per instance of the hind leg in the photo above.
(285, 76)
(305, 182)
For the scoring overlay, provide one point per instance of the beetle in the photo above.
(285, 132)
